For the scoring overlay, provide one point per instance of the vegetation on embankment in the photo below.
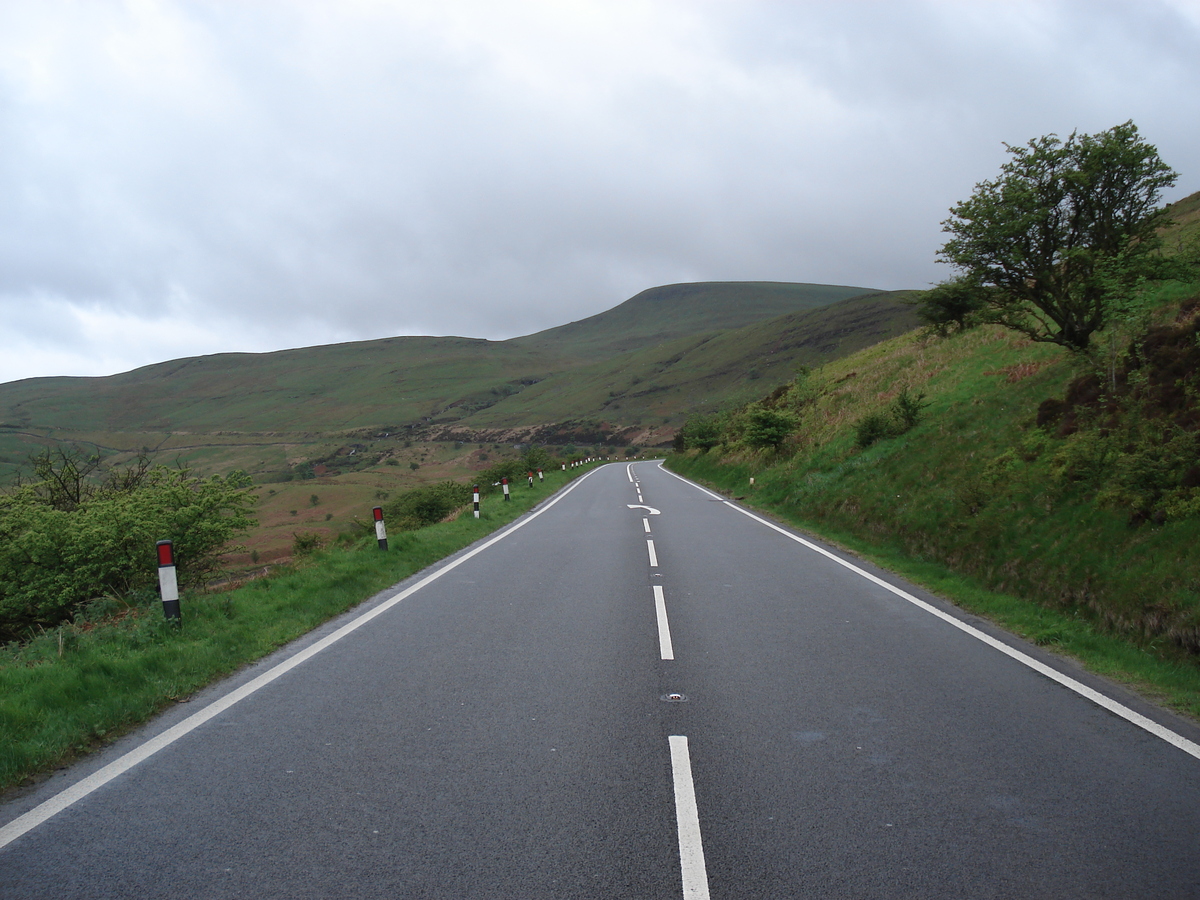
(983, 462)
(74, 687)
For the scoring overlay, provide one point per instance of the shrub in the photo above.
(305, 543)
(908, 408)
(872, 428)
(767, 427)
(426, 505)
(700, 433)
(53, 560)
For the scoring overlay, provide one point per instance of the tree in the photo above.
(1065, 235)
(953, 305)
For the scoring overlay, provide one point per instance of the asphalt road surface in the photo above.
(640, 691)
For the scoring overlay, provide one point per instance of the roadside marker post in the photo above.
(168, 583)
(380, 528)
(476, 501)
(541, 477)
(504, 483)
(531, 478)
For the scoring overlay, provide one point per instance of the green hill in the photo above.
(678, 310)
(200, 407)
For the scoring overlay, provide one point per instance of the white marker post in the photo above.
(504, 483)
(531, 477)
(541, 477)
(168, 584)
(476, 501)
(380, 528)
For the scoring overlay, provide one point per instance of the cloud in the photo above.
(183, 178)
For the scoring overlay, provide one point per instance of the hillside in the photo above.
(1068, 484)
(392, 380)
(408, 384)
(677, 310)
(707, 370)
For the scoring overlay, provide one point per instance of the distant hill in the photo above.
(652, 359)
(676, 310)
(403, 379)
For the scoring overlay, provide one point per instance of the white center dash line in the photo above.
(687, 819)
(653, 555)
(646, 525)
(665, 650)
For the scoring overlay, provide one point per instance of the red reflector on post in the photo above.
(166, 553)
(377, 512)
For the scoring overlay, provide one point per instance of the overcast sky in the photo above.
(182, 178)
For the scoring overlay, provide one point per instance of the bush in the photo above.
(305, 543)
(908, 408)
(767, 427)
(54, 560)
(426, 505)
(700, 433)
(872, 428)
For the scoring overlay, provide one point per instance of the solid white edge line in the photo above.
(68, 796)
(665, 650)
(1107, 703)
(629, 472)
(687, 821)
(653, 555)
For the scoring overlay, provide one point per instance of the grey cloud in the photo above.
(251, 176)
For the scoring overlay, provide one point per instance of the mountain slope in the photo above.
(676, 310)
(394, 380)
(670, 378)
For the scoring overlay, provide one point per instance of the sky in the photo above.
(186, 178)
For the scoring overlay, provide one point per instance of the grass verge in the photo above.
(73, 689)
(1157, 671)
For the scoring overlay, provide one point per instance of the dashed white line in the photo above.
(646, 525)
(665, 650)
(687, 819)
(653, 555)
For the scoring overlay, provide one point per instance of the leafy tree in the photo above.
(953, 305)
(700, 433)
(1066, 234)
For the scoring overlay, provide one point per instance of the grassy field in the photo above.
(78, 686)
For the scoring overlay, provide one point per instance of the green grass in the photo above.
(72, 689)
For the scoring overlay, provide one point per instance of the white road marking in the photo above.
(1107, 703)
(687, 819)
(646, 525)
(665, 650)
(653, 555)
(629, 472)
(649, 509)
(76, 792)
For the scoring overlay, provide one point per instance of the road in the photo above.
(639, 691)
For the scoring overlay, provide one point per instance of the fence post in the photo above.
(168, 583)
(380, 528)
